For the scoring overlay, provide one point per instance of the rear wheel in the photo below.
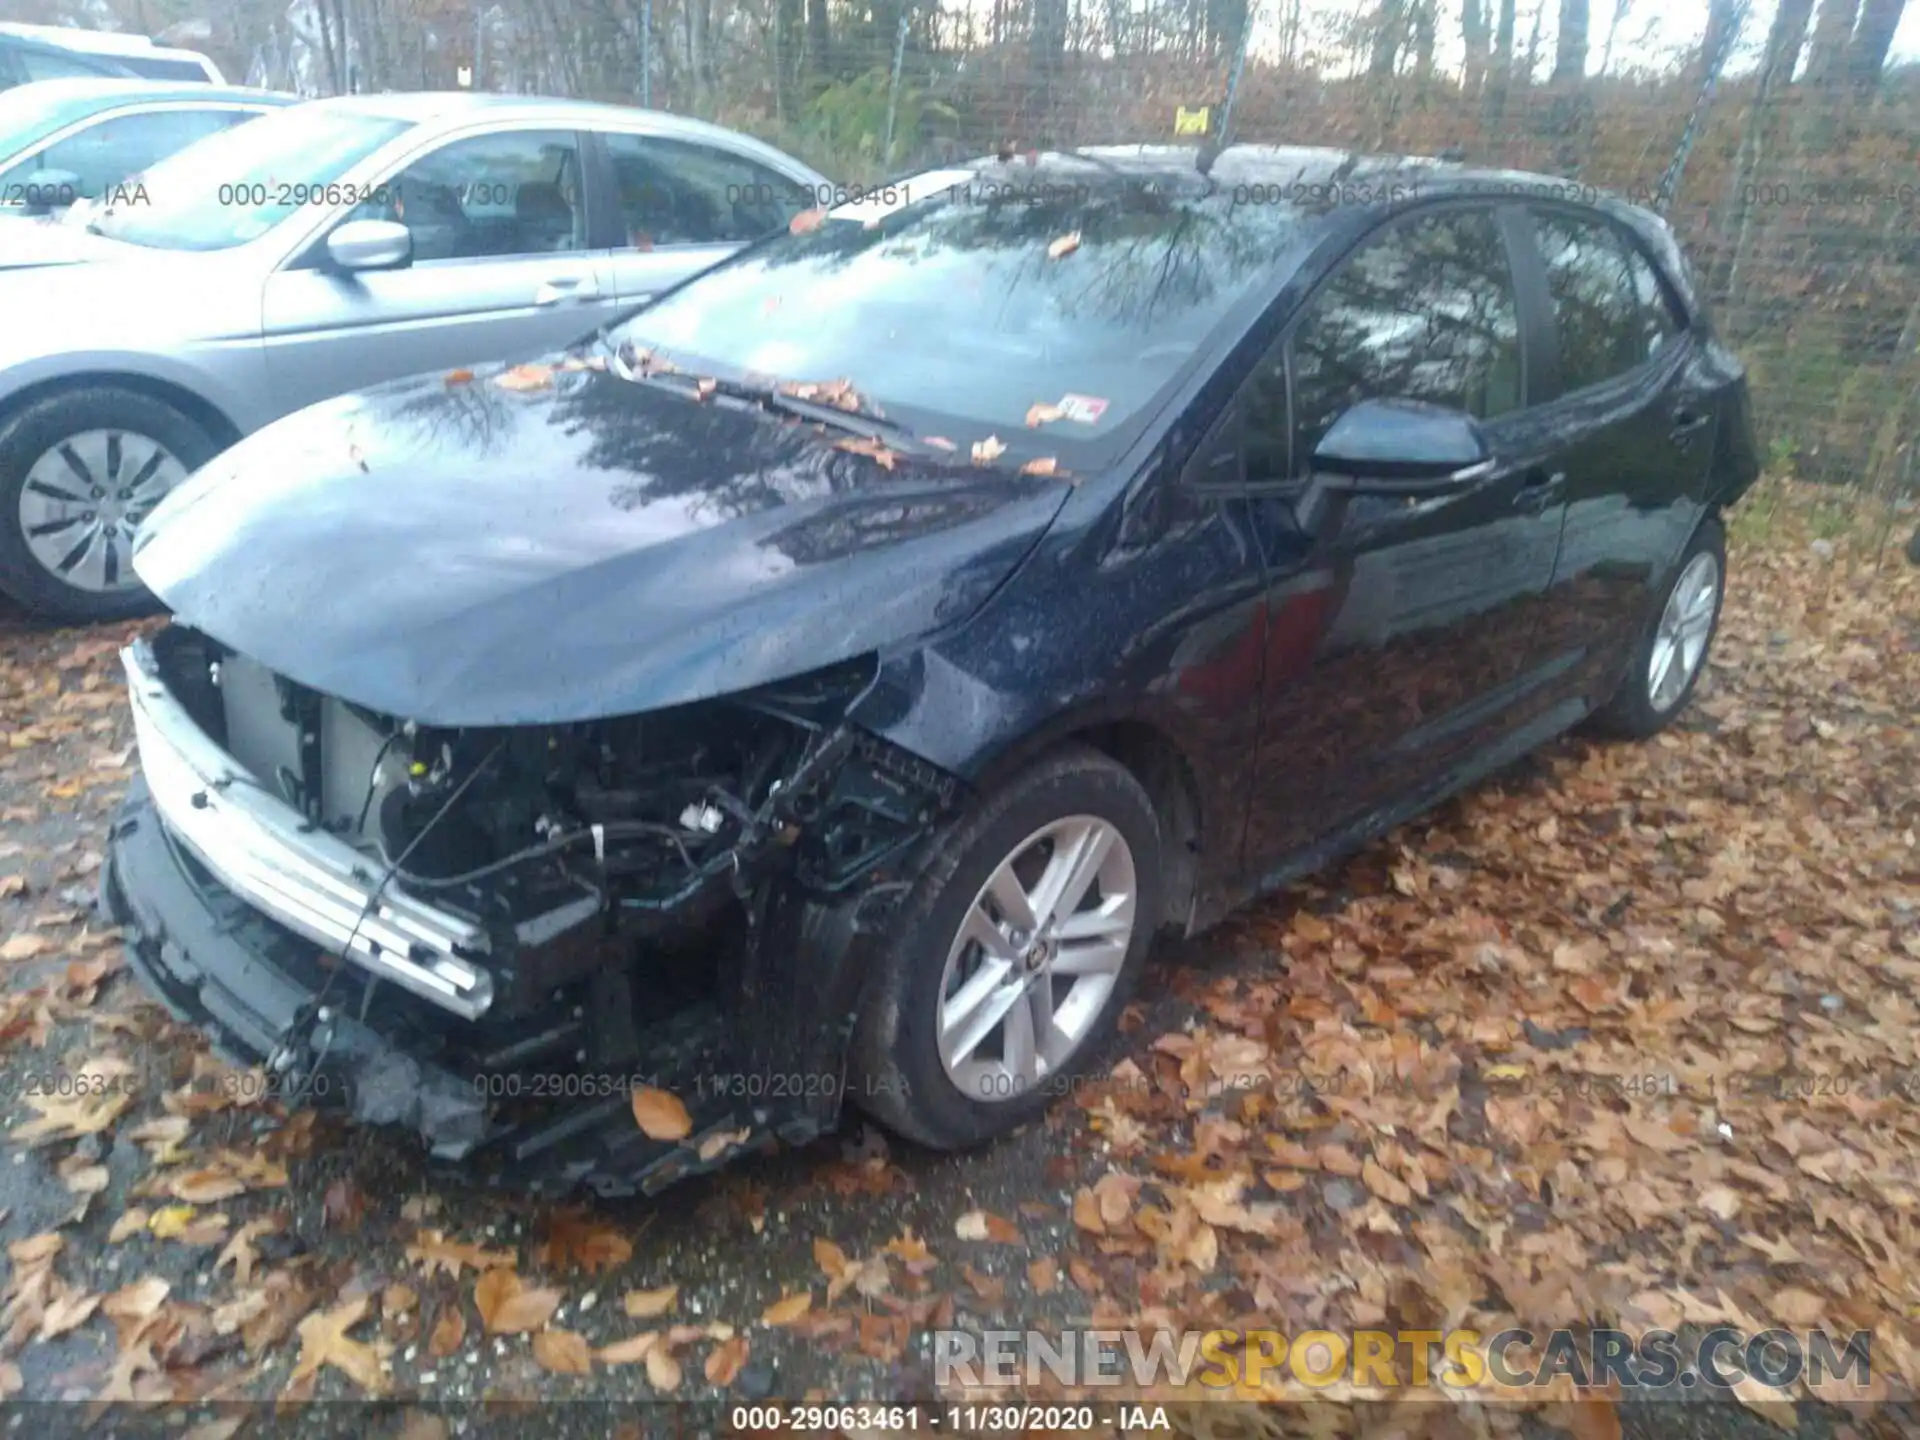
(79, 471)
(1672, 653)
(1011, 961)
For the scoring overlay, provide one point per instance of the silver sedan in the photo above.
(320, 249)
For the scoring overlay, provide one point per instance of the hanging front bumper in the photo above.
(268, 855)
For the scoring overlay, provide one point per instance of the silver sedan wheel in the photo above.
(84, 498)
(1036, 958)
(1680, 643)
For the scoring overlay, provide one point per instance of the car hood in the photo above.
(457, 552)
(27, 242)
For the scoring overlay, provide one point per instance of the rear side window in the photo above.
(103, 155)
(1609, 309)
(673, 192)
(1425, 311)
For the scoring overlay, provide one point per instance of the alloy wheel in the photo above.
(1036, 958)
(1680, 641)
(83, 499)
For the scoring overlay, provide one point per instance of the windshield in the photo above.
(235, 186)
(1063, 304)
(27, 116)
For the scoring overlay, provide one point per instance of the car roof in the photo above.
(1311, 178)
(130, 89)
(439, 107)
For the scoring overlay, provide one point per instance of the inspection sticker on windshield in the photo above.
(1082, 409)
(884, 200)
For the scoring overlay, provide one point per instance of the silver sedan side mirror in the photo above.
(370, 245)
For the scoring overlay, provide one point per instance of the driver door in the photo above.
(500, 271)
(1400, 631)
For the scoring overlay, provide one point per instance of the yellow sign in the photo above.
(1191, 122)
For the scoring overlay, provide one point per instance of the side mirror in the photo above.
(370, 245)
(1401, 447)
(45, 191)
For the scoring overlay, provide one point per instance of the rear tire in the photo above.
(79, 470)
(940, 982)
(1671, 653)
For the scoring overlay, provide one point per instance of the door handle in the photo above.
(566, 287)
(1539, 489)
(1687, 420)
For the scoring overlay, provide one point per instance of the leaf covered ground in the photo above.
(1627, 1035)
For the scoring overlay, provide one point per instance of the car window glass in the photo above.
(512, 194)
(44, 65)
(103, 155)
(1658, 322)
(1605, 326)
(673, 192)
(1425, 311)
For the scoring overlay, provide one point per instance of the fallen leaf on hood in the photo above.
(205, 1187)
(25, 946)
(239, 1251)
(36, 1249)
(987, 450)
(508, 1306)
(130, 1222)
(342, 1206)
(630, 1351)
(576, 1240)
(69, 1116)
(136, 1301)
(723, 1365)
(788, 1309)
(806, 220)
(449, 1332)
(67, 1312)
(434, 1252)
(1064, 245)
(721, 1141)
(647, 1304)
(86, 1179)
(1086, 1212)
(985, 1225)
(939, 442)
(459, 377)
(564, 1352)
(1044, 465)
(660, 1115)
(663, 1371)
(188, 1225)
(1039, 414)
(323, 1341)
(523, 378)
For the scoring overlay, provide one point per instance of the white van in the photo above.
(130, 54)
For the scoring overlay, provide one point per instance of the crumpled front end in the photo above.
(496, 935)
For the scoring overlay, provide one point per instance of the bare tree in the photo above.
(1476, 34)
(1872, 38)
(1570, 46)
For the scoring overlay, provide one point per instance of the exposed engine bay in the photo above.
(635, 879)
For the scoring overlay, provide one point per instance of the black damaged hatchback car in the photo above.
(822, 687)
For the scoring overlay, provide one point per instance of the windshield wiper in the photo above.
(771, 398)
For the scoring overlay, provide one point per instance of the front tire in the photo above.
(1671, 654)
(1012, 958)
(79, 471)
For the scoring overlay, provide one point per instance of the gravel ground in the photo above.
(734, 1244)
